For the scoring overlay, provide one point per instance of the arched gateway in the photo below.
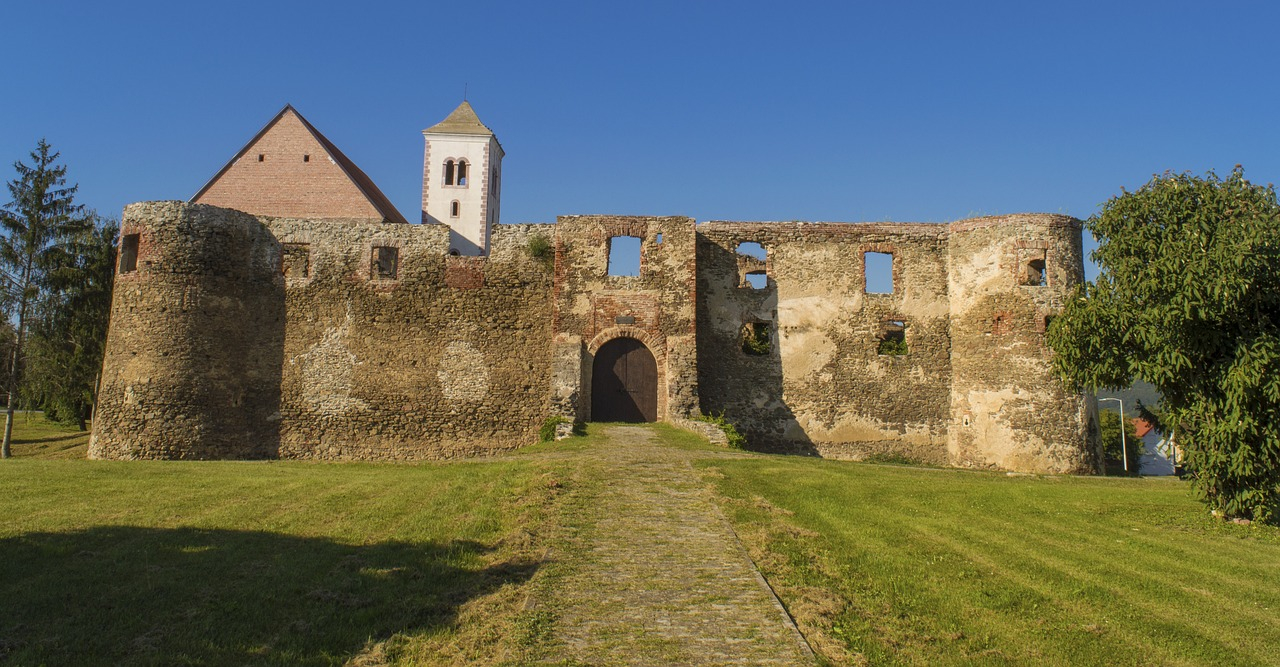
(624, 382)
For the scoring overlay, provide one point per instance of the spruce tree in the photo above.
(37, 228)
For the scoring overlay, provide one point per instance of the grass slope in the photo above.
(266, 563)
(896, 565)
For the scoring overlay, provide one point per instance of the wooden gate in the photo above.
(624, 383)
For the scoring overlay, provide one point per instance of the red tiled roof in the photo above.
(1141, 426)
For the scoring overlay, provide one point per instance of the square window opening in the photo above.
(129, 253)
(624, 256)
(878, 267)
(893, 338)
(757, 279)
(386, 262)
(1032, 267)
(756, 339)
(261, 157)
(306, 158)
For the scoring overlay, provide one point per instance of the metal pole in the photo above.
(1124, 445)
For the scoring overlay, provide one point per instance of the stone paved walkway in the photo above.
(654, 575)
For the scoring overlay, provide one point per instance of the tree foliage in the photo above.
(1188, 299)
(69, 327)
(37, 229)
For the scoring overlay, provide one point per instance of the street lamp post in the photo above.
(1124, 446)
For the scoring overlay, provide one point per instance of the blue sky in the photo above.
(905, 111)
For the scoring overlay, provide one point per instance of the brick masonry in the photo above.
(295, 177)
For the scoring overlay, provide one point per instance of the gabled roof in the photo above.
(463, 120)
(361, 180)
(1141, 427)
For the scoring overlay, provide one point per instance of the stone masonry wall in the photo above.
(193, 356)
(252, 337)
(1008, 409)
(656, 307)
(823, 387)
(448, 357)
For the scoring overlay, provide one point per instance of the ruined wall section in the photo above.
(192, 361)
(656, 307)
(448, 357)
(244, 337)
(1009, 411)
(824, 387)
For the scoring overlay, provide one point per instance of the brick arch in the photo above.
(657, 345)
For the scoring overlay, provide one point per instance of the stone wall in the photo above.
(448, 356)
(655, 307)
(252, 337)
(194, 353)
(1008, 409)
(824, 387)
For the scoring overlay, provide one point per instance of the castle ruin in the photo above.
(289, 311)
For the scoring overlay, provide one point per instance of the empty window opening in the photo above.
(879, 272)
(385, 262)
(893, 338)
(462, 172)
(454, 209)
(1045, 322)
(756, 340)
(658, 239)
(1001, 324)
(752, 265)
(448, 172)
(129, 253)
(753, 249)
(1033, 273)
(295, 260)
(624, 256)
(261, 157)
(306, 158)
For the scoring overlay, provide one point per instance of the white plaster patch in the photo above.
(327, 369)
(464, 374)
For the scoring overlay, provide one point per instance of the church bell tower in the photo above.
(462, 179)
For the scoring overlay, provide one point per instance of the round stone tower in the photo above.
(1008, 277)
(194, 353)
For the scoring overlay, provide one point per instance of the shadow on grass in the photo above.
(126, 595)
(59, 437)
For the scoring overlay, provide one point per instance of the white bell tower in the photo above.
(462, 180)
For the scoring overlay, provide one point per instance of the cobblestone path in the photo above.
(654, 575)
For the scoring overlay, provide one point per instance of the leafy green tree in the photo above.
(69, 328)
(1114, 448)
(1188, 299)
(37, 228)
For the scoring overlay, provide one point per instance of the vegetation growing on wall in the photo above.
(755, 338)
(541, 249)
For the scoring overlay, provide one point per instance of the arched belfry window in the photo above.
(448, 172)
(462, 172)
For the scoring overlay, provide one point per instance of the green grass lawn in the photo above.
(148, 562)
(35, 437)
(899, 565)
